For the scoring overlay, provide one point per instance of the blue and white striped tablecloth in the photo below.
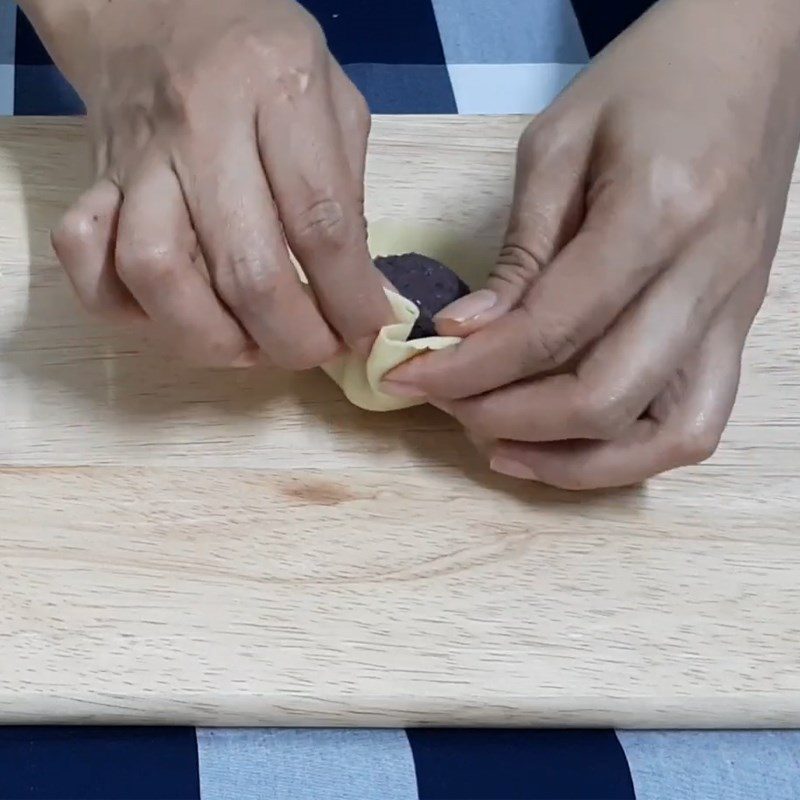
(282, 764)
(406, 56)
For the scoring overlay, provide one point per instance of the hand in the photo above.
(221, 132)
(648, 206)
(682, 425)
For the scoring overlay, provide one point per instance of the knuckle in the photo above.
(541, 140)
(293, 80)
(249, 280)
(602, 415)
(682, 195)
(696, 446)
(518, 264)
(74, 231)
(290, 57)
(145, 264)
(322, 223)
(293, 62)
(549, 346)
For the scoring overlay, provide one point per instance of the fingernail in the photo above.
(403, 390)
(245, 360)
(469, 307)
(514, 469)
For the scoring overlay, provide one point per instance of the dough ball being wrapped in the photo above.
(423, 286)
(427, 283)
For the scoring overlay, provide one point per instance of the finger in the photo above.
(320, 206)
(84, 243)
(236, 221)
(355, 122)
(615, 254)
(546, 211)
(688, 435)
(625, 370)
(154, 257)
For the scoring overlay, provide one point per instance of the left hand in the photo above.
(647, 211)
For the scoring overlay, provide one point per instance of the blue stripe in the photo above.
(282, 764)
(714, 765)
(358, 31)
(98, 764)
(520, 765)
(29, 48)
(399, 89)
(41, 90)
(603, 22)
(379, 31)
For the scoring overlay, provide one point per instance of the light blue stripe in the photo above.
(714, 765)
(8, 38)
(508, 88)
(284, 764)
(509, 32)
(6, 90)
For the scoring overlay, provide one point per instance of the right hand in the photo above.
(222, 133)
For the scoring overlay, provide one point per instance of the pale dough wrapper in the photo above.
(359, 379)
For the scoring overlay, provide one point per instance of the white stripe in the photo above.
(509, 31)
(508, 88)
(6, 90)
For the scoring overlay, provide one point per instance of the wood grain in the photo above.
(227, 548)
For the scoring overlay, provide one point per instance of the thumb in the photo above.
(545, 214)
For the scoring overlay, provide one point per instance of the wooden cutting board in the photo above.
(225, 548)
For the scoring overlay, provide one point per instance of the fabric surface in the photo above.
(282, 764)
(725, 765)
(325, 764)
(520, 765)
(98, 764)
(406, 56)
